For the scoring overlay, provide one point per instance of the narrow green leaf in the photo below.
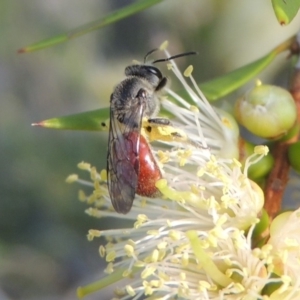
(224, 85)
(94, 120)
(285, 10)
(109, 19)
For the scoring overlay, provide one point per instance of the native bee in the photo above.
(131, 166)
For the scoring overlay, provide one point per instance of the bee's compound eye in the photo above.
(155, 71)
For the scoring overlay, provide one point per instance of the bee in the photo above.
(131, 166)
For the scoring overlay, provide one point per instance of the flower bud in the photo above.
(294, 157)
(267, 111)
(259, 235)
(261, 168)
(291, 133)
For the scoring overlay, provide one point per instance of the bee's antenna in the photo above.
(174, 56)
(150, 52)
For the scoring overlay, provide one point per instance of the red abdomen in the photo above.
(149, 171)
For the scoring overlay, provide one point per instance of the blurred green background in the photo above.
(44, 253)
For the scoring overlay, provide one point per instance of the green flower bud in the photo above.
(291, 133)
(259, 169)
(267, 111)
(294, 156)
(259, 237)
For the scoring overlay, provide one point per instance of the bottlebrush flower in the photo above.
(194, 241)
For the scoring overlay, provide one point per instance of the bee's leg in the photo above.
(162, 129)
(159, 122)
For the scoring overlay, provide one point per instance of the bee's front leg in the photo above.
(161, 129)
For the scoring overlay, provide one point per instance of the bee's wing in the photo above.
(123, 158)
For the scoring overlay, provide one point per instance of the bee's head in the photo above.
(148, 72)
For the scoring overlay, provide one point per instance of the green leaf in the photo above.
(90, 121)
(109, 19)
(94, 120)
(224, 85)
(285, 10)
